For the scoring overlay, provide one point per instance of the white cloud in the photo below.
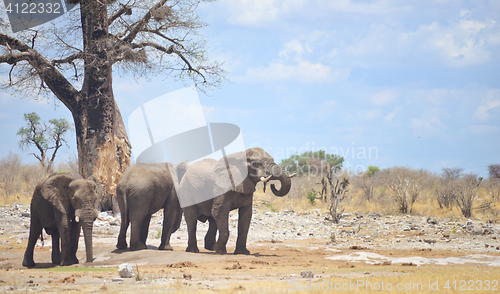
(294, 47)
(291, 66)
(375, 7)
(429, 124)
(482, 112)
(261, 13)
(303, 72)
(371, 114)
(384, 97)
(390, 116)
(461, 44)
(252, 13)
(483, 129)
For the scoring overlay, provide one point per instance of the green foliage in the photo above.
(271, 206)
(43, 136)
(311, 162)
(372, 170)
(311, 196)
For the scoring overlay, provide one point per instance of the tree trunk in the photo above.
(103, 146)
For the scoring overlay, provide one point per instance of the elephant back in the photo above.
(196, 184)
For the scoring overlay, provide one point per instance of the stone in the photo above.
(125, 270)
(307, 274)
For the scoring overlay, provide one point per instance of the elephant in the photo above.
(62, 205)
(209, 175)
(143, 190)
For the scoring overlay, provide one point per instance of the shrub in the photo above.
(311, 196)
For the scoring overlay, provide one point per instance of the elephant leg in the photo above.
(145, 229)
(172, 215)
(56, 252)
(222, 220)
(211, 234)
(75, 236)
(136, 235)
(122, 242)
(64, 230)
(191, 217)
(35, 231)
(244, 218)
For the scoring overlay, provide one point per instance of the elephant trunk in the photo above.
(87, 235)
(279, 173)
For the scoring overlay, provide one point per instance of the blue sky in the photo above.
(385, 83)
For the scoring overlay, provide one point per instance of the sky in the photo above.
(384, 83)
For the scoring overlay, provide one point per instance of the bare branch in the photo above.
(33, 40)
(139, 25)
(169, 50)
(125, 9)
(68, 59)
(14, 58)
(57, 83)
(157, 32)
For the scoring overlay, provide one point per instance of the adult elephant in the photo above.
(143, 190)
(210, 177)
(63, 204)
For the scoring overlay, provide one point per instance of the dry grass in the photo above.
(486, 203)
(17, 180)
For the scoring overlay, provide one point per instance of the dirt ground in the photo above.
(273, 266)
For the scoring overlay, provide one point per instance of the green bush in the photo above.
(311, 196)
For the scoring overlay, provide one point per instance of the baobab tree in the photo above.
(73, 58)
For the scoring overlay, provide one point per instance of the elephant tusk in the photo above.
(292, 175)
(264, 179)
(77, 219)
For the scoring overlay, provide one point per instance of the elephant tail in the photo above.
(122, 202)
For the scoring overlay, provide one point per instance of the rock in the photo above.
(430, 241)
(114, 222)
(375, 215)
(307, 274)
(25, 214)
(431, 221)
(125, 270)
(120, 280)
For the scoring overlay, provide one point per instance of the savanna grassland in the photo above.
(374, 247)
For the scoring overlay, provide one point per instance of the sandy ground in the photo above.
(273, 266)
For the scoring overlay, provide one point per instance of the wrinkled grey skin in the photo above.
(62, 205)
(210, 174)
(143, 190)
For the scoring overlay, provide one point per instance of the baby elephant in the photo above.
(61, 205)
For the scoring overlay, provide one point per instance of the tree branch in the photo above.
(68, 59)
(15, 57)
(138, 26)
(157, 32)
(168, 50)
(57, 83)
(125, 9)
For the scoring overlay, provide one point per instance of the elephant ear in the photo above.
(55, 189)
(231, 173)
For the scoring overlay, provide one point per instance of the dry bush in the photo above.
(465, 192)
(486, 203)
(17, 181)
(367, 183)
(404, 186)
